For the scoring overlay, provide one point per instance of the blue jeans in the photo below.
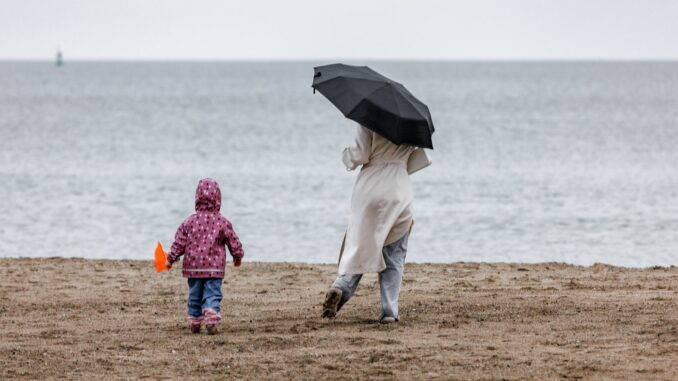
(389, 280)
(203, 293)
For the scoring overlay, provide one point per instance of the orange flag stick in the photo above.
(160, 258)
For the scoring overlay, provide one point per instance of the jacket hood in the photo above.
(207, 196)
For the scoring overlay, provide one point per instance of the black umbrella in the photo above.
(378, 103)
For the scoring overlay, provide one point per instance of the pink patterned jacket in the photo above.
(202, 236)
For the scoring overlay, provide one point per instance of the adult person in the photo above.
(380, 224)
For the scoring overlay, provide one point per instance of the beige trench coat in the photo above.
(380, 205)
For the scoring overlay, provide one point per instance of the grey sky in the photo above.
(348, 29)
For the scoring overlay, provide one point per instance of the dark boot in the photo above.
(332, 299)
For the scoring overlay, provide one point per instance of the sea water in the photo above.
(533, 161)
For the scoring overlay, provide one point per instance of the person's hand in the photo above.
(237, 262)
(168, 264)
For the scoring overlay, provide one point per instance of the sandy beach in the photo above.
(81, 319)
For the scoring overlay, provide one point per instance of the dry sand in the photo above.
(85, 319)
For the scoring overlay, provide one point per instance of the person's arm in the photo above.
(234, 245)
(179, 245)
(360, 154)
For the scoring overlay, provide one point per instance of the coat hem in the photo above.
(204, 274)
(354, 271)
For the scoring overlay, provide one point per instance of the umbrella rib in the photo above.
(415, 102)
(364, 98)
(397, 127)
(345, 77)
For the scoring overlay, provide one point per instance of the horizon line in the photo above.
(337, 59)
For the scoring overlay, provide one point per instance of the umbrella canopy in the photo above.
(377, 102)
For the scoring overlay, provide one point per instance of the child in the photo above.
(201, 238)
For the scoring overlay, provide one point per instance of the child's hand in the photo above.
(168, 264)
(237, 262)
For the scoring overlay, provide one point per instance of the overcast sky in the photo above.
(349, 29)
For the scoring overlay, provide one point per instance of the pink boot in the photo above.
(211, 319)
(194, 323)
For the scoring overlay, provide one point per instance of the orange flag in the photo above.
(160, 258)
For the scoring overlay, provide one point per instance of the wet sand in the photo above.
(81, 319)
